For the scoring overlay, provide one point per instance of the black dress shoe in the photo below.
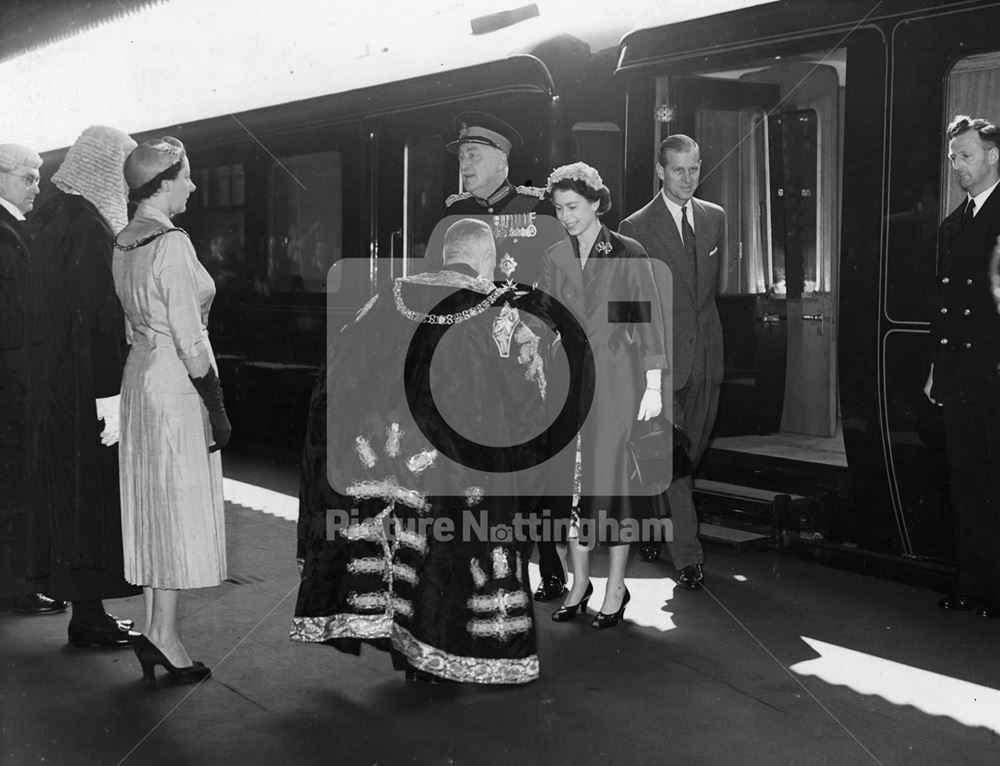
(650, 551)
(114, 636)
(549, 588)
(567, 613)
(150, 656)
(34, 603)
(123, 624)
(603, 620)
(989, 609)
(956, 602)
(690, 577)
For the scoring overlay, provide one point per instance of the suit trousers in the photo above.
(695, 406)
(972, 436)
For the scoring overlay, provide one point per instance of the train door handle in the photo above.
(768, 318)
(815, 318)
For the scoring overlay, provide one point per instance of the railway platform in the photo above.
(777, 661)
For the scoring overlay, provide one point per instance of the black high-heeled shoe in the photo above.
(150, 656)
(567, 613)
(602, 620)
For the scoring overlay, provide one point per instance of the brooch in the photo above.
(603, 247)
(507, 265)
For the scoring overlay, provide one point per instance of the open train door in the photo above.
(769, 141)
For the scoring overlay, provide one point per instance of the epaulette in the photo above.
(456, 197)
(531, 191)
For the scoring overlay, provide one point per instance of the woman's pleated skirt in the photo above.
(173, 519)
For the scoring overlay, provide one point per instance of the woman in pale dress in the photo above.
(172, 416)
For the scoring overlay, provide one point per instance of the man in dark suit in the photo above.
(18, 186)
(689, 236)
(523, 225)
(965, 352)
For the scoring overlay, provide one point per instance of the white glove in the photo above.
(651, 404)
(108, 411)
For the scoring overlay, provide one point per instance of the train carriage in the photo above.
(821, 126)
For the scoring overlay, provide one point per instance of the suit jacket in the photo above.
(695, 318)
(965, 327)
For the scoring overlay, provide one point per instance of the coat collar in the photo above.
(16, 229)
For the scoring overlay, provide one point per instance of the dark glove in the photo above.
(210, 391)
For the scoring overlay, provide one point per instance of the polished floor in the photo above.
(777, 661)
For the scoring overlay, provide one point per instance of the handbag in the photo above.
(655, 448)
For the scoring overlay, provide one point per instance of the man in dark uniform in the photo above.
(524, 226)
(965, 351)
(18, 187)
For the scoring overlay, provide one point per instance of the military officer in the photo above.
(515, 213)
(524, 226)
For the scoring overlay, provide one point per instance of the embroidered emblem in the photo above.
(453, 198)
(528, 356)
(389, 490)
(477, 670)
(392, 442)
(507, 265)
(502, 601)
(478, 575)
(531, 191)
(422, 460)
(503, 329)
(499, 625)
(365, 452)
(473, 496)
(501, 567)
(603, 247)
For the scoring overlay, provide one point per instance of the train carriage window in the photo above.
(306, 221)
(217, 227)
(736, 176)
(599, 144)
(423, 189)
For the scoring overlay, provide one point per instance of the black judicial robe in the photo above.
(75, 355)
(14, 255)
(457, 605)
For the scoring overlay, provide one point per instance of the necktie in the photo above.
(967, 215)
(688, 237)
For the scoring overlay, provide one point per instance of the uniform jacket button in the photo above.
(968, 281)
(968, 345)
(945, 281)
(944, 309)
(944, 341)
(966, 312)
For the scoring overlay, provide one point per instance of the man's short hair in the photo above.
(14, 156)
(678, 142)
(987, 131)
(467, 239)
